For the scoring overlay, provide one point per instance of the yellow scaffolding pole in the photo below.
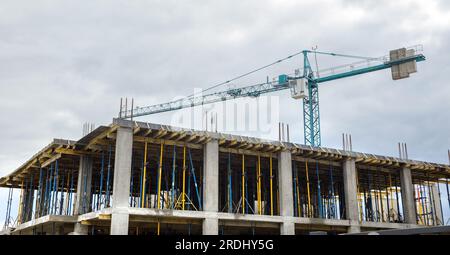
(160, 175)
(307, 188)
(159, 228)
(144, 175)
(419, 206)
(243, 184)
(271, 186)
(259, 186)
(184, 179)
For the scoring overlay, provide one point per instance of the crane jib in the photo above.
(302, 86)
(385, 65)
(255, 90)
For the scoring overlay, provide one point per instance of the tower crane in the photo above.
(304, 84)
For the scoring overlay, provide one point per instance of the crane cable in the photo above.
(250, 72)
(281, 60)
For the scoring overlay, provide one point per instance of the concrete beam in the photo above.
(351, 197)
(386, 225)
(286, 191)
(122, 174)
(45, 220)
(407, 189)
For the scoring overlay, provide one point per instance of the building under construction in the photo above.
(140, 178)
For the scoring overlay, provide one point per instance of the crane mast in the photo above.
(305, 86)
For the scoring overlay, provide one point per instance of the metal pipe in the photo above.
(271, 185)
(297, 191)
(131, 109)
(294, 188)
(160, 175)
(319, 195)
(243, 184)
(173, 177)
(259, 186)
(308, 190)
(144, 174)
(183, 195)
(108, 189)
(230, 194)
(120, 111)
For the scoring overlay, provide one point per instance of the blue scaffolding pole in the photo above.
(69, 208)
(296, 212)
(172, 198)
(319, 196)
(100, 192)
(49, 194)
(8, 208)
(61, 202)
(333, 197)
(230, 191)
(195, 180)
(39, 195)
(108, 178)
(55, 188)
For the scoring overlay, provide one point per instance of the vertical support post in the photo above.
(144, 175)
(351, 197)
(309, 214)
(407, 190)
(174, 165)
(121, 186)
(80, 229)
(271, 185)
(183, 194)
(211, 187)
(83, 196)
(160, 177)
(286, 192)
(437, 209)
(243, 184)
(258, 185)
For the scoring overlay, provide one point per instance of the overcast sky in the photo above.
(64, 63)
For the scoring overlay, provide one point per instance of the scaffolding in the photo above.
(167, 186)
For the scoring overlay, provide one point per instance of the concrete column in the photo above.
(121, 184)
(83, 196)
(119, 223)
(80, 229)
(407, 189)
(437, 205)
(210, 226)
(287, 228)
(211, 187)
(351, 194)
(286, 192)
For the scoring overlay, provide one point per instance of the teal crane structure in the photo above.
(304, 84)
